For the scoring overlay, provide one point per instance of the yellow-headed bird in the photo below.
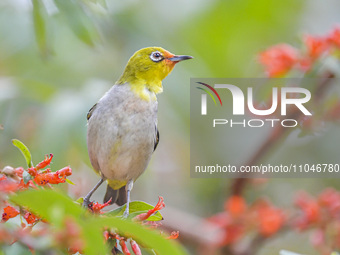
(122, 127)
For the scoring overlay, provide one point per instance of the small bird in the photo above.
(122, 129)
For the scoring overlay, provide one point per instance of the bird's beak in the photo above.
(179, 58)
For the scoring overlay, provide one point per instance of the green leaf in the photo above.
(93, 235)
(55, 207)
(48, 204)
(24, 150)
(69, 181)
(80, 201)
(136, 208)
(26, 177)
(39, 12)
(78, 20)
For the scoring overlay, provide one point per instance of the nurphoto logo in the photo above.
(281, 97)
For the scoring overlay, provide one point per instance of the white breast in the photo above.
(121, 134)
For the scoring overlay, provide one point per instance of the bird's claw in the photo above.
(126, 213)
(86, 203)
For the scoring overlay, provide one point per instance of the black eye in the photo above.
(156, 56)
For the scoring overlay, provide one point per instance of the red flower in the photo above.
(45, 162)
(310, 210)
(7, 185)
(152, 224)
(32, 171)
(160, 205)
(233, 231)
(23, 186)
(235, 205)
(9, 212)
(125, 249)
(271, 219)
(19, 171)
(66, 171)
(279, 59)
(135, 248)
(335, 37)
(316, 46)
(30, 218)
(106, 235)
(52, 178)
(330, 200)
(97, 207)
(173, 235)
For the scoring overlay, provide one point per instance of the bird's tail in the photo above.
(118, 196)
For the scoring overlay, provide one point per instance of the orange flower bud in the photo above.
(9, 212)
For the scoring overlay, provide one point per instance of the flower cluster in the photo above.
(12, 180)
(239, 218)
(141, 218)
(320, 214)
(18, 179)
(122, 242)
(279, 59)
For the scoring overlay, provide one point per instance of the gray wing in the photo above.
(156, 138)
(89, 114)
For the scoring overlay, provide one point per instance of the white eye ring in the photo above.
(156, 56)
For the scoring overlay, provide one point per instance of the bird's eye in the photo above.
(156, 56)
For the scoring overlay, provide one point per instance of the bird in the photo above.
(122, 131)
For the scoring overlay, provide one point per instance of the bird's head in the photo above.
(148, 67)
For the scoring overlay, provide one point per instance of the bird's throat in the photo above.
(144, 84)
(147, 91)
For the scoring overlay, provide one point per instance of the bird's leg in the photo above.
(129, 187)
(88, 196)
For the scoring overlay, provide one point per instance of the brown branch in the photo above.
(277, 134)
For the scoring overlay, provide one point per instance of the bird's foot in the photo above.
(86, 203)
(126, 212)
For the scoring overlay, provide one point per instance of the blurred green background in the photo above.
(58, 58)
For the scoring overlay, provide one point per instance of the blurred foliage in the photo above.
(56, 86)
(57, 58)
